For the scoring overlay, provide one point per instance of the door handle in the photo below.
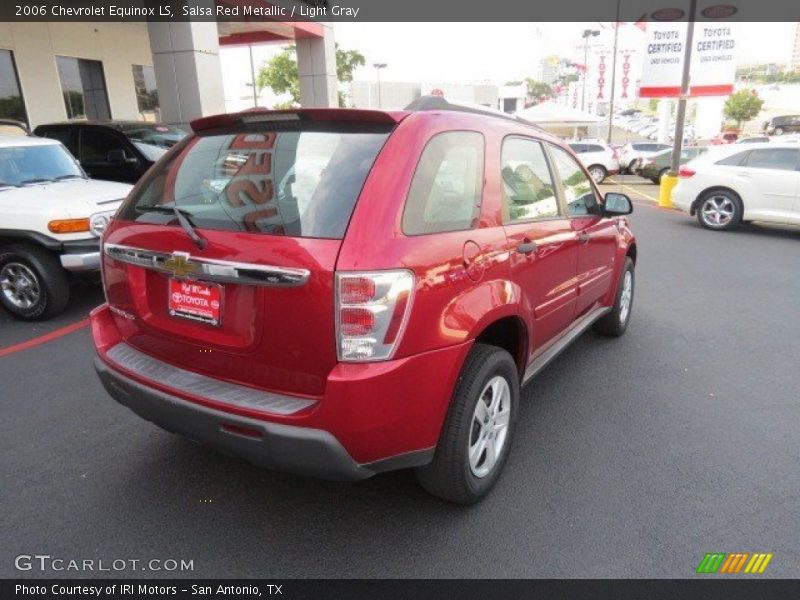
(527, 248)
(583, 238)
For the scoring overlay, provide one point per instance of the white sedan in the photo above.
(741, 183)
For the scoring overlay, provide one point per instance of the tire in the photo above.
(598, 173)
(719, 210)
(451, 475)
(633, 168)
(46, 291)
(661, 175)
(778, 131)
(615, 323)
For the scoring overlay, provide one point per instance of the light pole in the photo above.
(587, 33)
(378, 67)
(253, 76)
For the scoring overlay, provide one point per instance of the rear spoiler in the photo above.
(260, 115)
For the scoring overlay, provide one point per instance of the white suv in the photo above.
(598, 158)
(52, 219)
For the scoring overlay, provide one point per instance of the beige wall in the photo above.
(35, 46)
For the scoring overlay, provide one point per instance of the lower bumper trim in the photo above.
(302, 450)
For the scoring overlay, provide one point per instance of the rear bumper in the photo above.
(301, 450)
(373, 417)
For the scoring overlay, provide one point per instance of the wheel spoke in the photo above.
(476, 451)
(501, 419)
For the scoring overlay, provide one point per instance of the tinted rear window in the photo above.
(299, 181)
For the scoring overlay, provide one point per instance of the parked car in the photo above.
(633, 152)
(782, 124)
(52, 217)
(725, 137)
(656, 166)
(13, 127)
(753, 139)
(383, 313)
(757, 182)
(600, 159)
(114, 150)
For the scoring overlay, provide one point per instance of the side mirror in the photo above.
(617, 205)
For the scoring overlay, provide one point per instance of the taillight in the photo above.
(685, 173)
(371, 310)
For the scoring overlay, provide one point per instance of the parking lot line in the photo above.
(43, 339)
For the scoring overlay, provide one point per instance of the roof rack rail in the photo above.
(439, 103)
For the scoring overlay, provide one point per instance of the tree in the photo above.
(742, 106)
(538, 91)
(280, 74)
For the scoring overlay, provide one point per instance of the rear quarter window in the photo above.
(445, 193)
(301, 180)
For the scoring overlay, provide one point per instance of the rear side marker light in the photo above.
(69, 226)
(371, 312)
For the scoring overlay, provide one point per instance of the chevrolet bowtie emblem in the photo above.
(180, 265)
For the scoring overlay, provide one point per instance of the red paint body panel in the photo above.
(284, 340)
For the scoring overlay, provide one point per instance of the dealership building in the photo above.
(54, 71)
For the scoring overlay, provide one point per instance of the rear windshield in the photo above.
(301, 182)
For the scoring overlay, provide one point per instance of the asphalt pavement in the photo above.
(633, 457)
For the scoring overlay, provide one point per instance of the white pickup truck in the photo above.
(51, 218)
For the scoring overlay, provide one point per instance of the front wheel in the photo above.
(475, 439)
(33, 285)
(778, 131)
(598, 173)
(616, 322)
(720, 210)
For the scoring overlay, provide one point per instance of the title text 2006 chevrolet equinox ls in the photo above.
(345, 292)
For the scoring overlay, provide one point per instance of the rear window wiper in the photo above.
(183, 217)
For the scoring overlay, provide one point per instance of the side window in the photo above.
(773, 158)
(96, 146)
(594, 148)
(528, 191)
(63, 135)
(578, 148)
(734, 160)
(578, 190)
(445, 194)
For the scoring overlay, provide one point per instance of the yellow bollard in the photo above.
(665, 192)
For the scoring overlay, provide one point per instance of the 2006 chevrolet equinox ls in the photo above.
(343, 292)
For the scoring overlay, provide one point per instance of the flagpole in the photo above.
(613, 75)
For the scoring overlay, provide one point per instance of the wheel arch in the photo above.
(509, 333)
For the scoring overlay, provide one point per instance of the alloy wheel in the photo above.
(19, 285)
(626, 297)
(718, 211)
(489, 430)
(597, 174)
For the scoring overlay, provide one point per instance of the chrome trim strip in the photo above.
(189, 382)
(208, 269)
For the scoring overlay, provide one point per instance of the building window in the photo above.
(12, 106)
(84, 87)
(144, 82)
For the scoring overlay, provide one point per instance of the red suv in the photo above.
(345, 292)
